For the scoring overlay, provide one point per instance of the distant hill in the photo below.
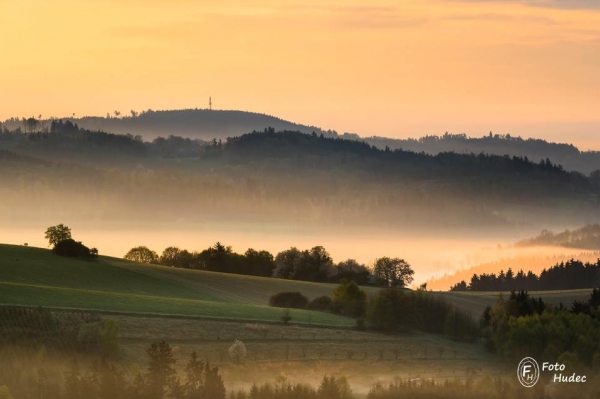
(201, 124)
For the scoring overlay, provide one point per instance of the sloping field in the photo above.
(34, 276)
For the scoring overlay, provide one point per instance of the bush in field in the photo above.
(320, 303)
(74, 249)
(237, 351)
(289, 300)
(348, 299)
(142, 255)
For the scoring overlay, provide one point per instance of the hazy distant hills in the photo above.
(204, 124)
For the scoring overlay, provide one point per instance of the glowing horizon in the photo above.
(528, 67)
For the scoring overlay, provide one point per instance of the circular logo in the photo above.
(528, 372)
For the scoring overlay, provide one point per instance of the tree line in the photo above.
(569, 275)
(315, 264)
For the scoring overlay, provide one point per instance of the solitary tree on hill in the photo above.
(58, 233)
(142, 255)
(395, 272)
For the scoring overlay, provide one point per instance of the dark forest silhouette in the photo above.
(569, 275)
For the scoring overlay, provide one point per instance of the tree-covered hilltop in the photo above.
(284, 177)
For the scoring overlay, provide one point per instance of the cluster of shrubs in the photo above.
(60, 238)
(64, 331)
(390, 310)
(75, 249)
(347, 299)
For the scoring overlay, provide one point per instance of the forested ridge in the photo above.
(287, 175)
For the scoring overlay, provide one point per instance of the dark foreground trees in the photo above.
(160, 380)
(288, 300)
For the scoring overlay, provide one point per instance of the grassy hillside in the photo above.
(35, 276)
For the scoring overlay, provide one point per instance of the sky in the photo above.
(388, 68)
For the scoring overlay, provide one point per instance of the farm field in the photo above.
(34, 277)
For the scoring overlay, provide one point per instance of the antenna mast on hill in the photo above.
(210, 103)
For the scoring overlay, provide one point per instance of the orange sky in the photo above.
(393, 68)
